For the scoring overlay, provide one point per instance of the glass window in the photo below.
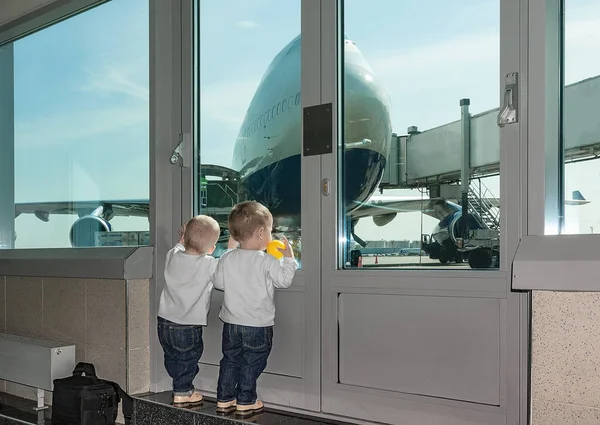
(249, 112)
(74, 125)
(406, 129)
(580, 124)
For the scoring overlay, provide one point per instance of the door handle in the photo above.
(508, 112)
(183, 150)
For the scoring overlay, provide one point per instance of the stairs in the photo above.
(483, 204)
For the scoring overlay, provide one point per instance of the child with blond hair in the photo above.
(185, 302)
(248, 276)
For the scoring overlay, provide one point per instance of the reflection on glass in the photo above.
(250, 111)
(78, 126)
(580, 129)
(405, 128)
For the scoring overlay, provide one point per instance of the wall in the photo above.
(565, 370)
(107, 320)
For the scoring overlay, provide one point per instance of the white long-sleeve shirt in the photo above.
(248, 279)
(185, 299)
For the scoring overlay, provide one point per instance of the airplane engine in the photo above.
(83, 231)
(382, 220)
(449, 229)
(454, 228)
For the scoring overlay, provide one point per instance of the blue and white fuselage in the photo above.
(267, 152)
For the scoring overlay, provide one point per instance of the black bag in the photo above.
(88, 400)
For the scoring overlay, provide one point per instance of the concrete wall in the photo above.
(565, 371)
(107, 320)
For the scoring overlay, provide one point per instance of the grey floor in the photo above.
(156, 409)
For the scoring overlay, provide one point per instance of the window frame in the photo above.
(545, 254)
(43, 17)
(165, 178)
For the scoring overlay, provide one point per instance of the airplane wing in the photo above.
(391, 205)
(43, 210)
(382, 206)
(110, 208)
(375, 206)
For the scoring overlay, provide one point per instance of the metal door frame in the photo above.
(347, 400)
(274, 389)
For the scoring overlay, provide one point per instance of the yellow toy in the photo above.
(272, 248)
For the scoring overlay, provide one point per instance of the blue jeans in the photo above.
(183, 346)
(245, 353)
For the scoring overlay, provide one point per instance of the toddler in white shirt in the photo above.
(248, 276)
(184, 304)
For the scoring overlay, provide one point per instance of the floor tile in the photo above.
(148, 413)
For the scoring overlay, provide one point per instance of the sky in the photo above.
(82, 97)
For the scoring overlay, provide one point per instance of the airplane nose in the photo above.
(367, 133)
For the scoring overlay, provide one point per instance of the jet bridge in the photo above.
(433, 157)
(450, 161)
(220, 189)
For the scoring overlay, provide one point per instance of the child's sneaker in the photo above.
(249, 409)
(226, 406)
(187, 400)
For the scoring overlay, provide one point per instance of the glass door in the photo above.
(247, 130)
(418, 228)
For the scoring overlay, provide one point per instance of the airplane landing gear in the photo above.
(481, 258)
(355, 258)
(449, 253)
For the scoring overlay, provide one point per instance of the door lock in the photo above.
(325, 187)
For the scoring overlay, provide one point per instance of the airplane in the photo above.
(267, 157)
(267, 151)
(578, 199)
